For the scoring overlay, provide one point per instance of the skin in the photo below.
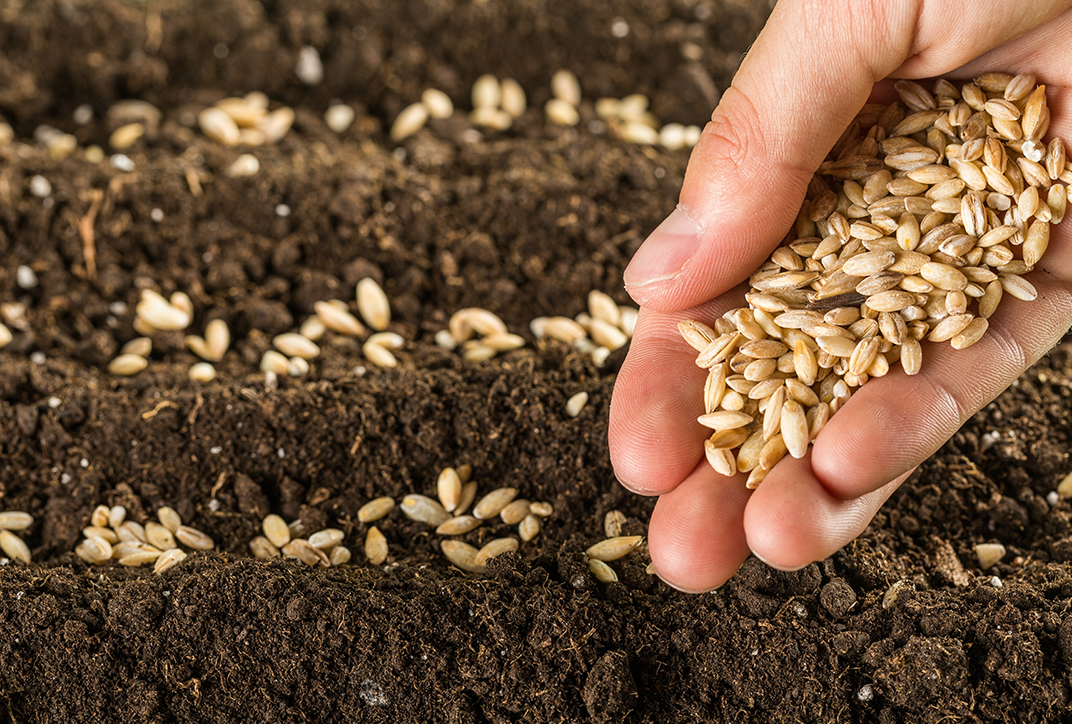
(811, 69)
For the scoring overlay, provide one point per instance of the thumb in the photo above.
(808, 74)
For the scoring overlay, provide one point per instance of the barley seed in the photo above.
(602, 572)
(989, 554)
(15, 520)
(94, 550)
(487, 92)
(158, 536)
(127, 365)
(424, 510)
(14, 547)
(576, 404)
(409, 121)
(373, 304)
(219, 126)
(375, 509)
(971, 334)
(379, 355)
(613, 548)
(494, 548)
(339, 555)
(458, 525)
(338, 320)
(263, 548)
(202, 372)
(306, 553)
(513, 97)
(462, 555)
(542, 509)
(612, 523)
(515, 512)
(326, 539)
(292, 344)
(105, 534)
(493, 503)
(449, 488)
(529, 528)
(193, 538)
(276, 530)
(116, 515)
(139, 558)
(468, 492)
(561, 112)
(375, 546)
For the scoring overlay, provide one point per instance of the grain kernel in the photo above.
(494, 548)
(276, 530)
(14, 547)
(126, 365)
(542, 509)
(449, 488)
(576, 404)
(424, 510)
(602, 572)
(375, 546)
(458, 525)
(529, 527)
(373, 304)
(326, 538)
(262, 548)
(339, 555)
(613, 548)
(375, 509)
(292, 344)
(462, 555)
(158, 536)
(193, 538)
(15, 520)
(515, 512)
(989, 554)
(169, 518)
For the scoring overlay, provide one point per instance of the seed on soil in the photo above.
(515, 512)
(613, 548)
(326, 538)
(379, 355)
(373, 304)
(409, 121)
(159, 313)
(493, 503)
(494, 548)
(276, 124)
(94, 550)
(158, 536)
(424, 510)
(989, 554)
(338, 319)
(487, 93)
(139, 558)
(141, 346)
(202, 372)
(468, 491)
(15, 520)
(449, 488)
(458, 525)
(292, 344)
(513, 98)
(193, 538)
(561, 112)
(168, 560)
(438, 103)
(299, 548)
(529, 527)
(116, 515)
(576, 403)
(297, 367)
(542, 509)
(99, 517)
(612, 523)
(14, 547)
(564, 85)
(127, 365)
(375, 546)
(219, 126)
(167, 517)
(276, 530)
(96, 531)
(462, 555)
(602, 572)
(339, 117)
(131, 532)
(312, 328)
(243, 166)
(375, 509)
(262, 548)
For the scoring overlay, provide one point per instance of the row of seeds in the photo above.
(928, 213)
(110, 535)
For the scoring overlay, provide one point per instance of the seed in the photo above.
(14, 547)
(217, 125)
(243, 166)
(373, 305)
(494, 118)
(276, 530)
(494, 548)
(449, 488)
(424, 510)
(306, 553)
(116, 515)
(140, 558)
(1064, 488)
(338, 320)
(202, 372)
(720, 459)
(458, 525)
(564, 85)
(339, 555)
(529, 527)
(468, 493)
(326, 538)
(544, 510)
(725, 419)
(292, 344)
(375, 509)
(409, 121)
(836, 345)
(158, 536)
(462, 555)
(193, 538)
(15, 520)
(94, 551)
(465, 322)
(602, 572)
(576, 403)
(105, 534)
(562, 113)
(296, 528)
(379, 355)
(613, 548)
(99, 518)
(493, 503)
(1018, 287)
(697, 334)
(273, 361)
(563, 329)
(126, 365)
(515, 512)
(503, 342)
(375, 546)
(487, 93)
(890, 301)
(989, 554)
(263, 548)
(971, 334)
(949, 327)
(513, 97)
(772, 415)
(339, 117)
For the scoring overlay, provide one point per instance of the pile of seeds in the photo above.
(630, 120)
(11, 522)
(323, 548)
(612, 548)
(926, 214)
(110, 535)
(244, 121)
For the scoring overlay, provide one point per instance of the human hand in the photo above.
(811, 69)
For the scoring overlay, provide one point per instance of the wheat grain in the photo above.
(494, 548)
(612, 549)
(423, 510)
(14, 547)
(375, 546)
(494, 502)
(529, 527)
(193, 538)
(602, 572)
(375, 509)
(462, 555)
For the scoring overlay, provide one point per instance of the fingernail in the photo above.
(664, 252)
(775, 566)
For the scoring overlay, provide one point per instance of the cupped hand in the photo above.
(811, 69)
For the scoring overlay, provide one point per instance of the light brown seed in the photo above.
(262, 548)
(458, 525)
(299, 548)
(971, 334)
(515, 512)
(465, 322)
(513, 101)
(794, 428)
(326, 538)
(15, 520)
(126, 365)
(1018, 287)
(168, 560)
(375, 546)
(561, 112)
(503, 342)
(494, 548)
(96, 531)
(292, 344)
(373, 304)
(724, 419)
(493, 503)
(338, 320)
(892, 300)
(714, 387)
(193, 538)
(116, 515)
(529, 527)
(602, 572)
(158, 536)
(1036, 241)
(14, 547)
(219, 126)
(276, 530)
(462, 555)
(601, 306)
(139, 558)
(94, 550)
(949, 327)
(339, 555)
(275, 362)
(720, 459)
(943, 276)
(449, 488)
(423, 509)
(837, 345)
(989, 554)
(99, 517)
(1035, 114)
(911, 356)
(409, 121)
(613, 548)
(804, 363)
(576, 404)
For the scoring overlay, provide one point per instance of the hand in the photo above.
(811, 69)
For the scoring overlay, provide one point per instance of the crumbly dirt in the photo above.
(524, 223)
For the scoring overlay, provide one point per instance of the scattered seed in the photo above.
(193, 538)
(158, 536)
(14, 547)
(202, 372)
(515, 512)
(15, 520)
(126, 365)
(168, 559)
(116, 515)
(105, 534)
(339, 555)
(338, 320)
(612, 523)
(379, 355)
(458, 525)
(375, 509)
(375, 546)
(494, 548)
(326, 538)
(438, 103)
(613, 548)
(468, 492)
(263, 548)
(94, 550)
(424, 510)
(99, 518)
(373, 305)
(219, 126)
(487, 93)
(493, 503)
(576, 403)
(276, 530)
(513, 97)
(301, 549)
(602, 572)
(243, 166)
(562, 113)
(565, 86)
(292, 344)
(409, 121)
(542, 509)
(989, 554)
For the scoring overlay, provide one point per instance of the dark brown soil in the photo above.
(524, 223)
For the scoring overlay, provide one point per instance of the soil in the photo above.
(901, 626)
